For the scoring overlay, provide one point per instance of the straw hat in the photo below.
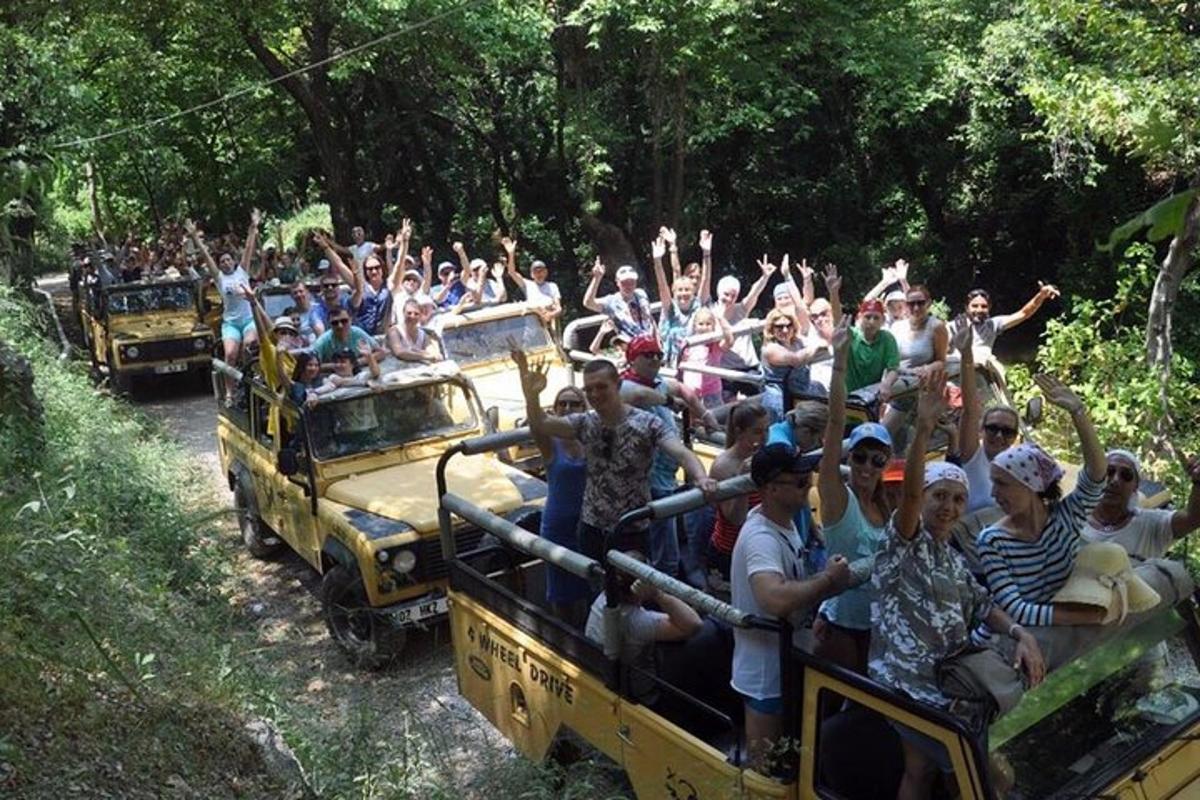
(1103, 577)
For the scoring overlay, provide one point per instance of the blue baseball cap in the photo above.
(869, 432)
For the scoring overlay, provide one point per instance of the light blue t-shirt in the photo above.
(325, 345)
(854, 537)
(663, 468)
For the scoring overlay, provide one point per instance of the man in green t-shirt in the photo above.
(874, 356)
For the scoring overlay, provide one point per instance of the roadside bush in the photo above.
(1099, 349)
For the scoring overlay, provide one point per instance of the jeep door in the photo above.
(282, 503)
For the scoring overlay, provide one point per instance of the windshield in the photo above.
(171, 297)
(377, 420)
(482, 341)
(1119, 702)
(276, 303)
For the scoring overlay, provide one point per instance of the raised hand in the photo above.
(706, 241)
(389, 242)
(457, 247)
(406, 229)
(1047, 291)
(598, 269)
(841, 336)
(901, 269)
(833, 281)
(1058, 393)
(658, 248)
(806, 272)
(255, 217)
(509, 245)
(889, 276)
(189, 226)
(785, 266)
(427, 255)
(931, 401)
(768, 269)
(667, 235)
(1191, 467)
(964, 334)
(497, 270)
(321, 239)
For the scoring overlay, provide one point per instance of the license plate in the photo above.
(416, 612)
(166, 369)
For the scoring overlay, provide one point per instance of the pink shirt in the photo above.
(710, 354)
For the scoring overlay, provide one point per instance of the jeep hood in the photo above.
(499, 386)
(408, 492)
(149, 328)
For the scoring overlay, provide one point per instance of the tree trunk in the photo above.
(1162, 303)
(89, 171)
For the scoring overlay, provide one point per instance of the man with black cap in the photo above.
(768, 578)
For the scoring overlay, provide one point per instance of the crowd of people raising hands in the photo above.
(880, 583)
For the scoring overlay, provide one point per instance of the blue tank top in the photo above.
(565, 479)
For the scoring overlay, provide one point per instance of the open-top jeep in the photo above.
(1096, 728)
(479, 341)
(149, 327)
(348, 483)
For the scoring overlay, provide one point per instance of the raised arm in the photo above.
(705, 294)
(209, 264)
(1095, 464)
(335, 258)
(510, 263)
(532, 383)
(668, 236)
(833, 284)
(797, 298)
(658, 248)
(901, 268)
(426, 269)
(930, 404)
(887, 278)
(807, 293)
(834, 496)
(755, 291)
(463, 260)
(972, 410)
(1045, 292)
(403, 237)
(1185, 521)
(367, 352)
(251, 246)
(262, 322)
(589, 294)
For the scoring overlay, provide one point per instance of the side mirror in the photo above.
(288, 461)
(492, 414)
(1033, 410)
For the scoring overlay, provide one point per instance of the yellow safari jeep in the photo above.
(349, 485)
(150, 327)
(1098, 726)
(479, 341)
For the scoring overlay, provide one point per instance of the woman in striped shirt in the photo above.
(1027, 555)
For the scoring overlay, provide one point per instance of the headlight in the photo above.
(132, 351)
(200, 344)
(404, 561)
(382, 555)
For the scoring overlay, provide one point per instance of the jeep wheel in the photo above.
(260, 540)
(367, 639)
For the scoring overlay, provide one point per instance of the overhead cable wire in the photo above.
(269, 82)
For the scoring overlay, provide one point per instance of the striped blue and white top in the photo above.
(1023, 576)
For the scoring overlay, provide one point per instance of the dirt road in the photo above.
(326, 702)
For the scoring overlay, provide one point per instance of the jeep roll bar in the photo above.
(225, 369)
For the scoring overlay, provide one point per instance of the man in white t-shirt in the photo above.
(987, 328)
(541, 294)
(362, 248)
(768, 579)
(641, 627)
(1143, 532)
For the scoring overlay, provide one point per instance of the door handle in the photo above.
(623, 734)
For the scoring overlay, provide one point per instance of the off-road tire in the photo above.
(255, 533)
(367, 639)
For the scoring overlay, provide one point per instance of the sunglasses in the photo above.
(916, 303)
(337, 323)
(1126, 474)
(782, 326)
(878, 460)
(1000, 430)
(374, 269)
(325, 287)
(569, 404)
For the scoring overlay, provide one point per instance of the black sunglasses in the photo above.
(337, 323)
(326, 286)
(1000, 430)
(1127, 475)
(878, 460)
(781, 326)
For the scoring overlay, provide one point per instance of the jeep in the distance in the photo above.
(147, 327)
(348, 483)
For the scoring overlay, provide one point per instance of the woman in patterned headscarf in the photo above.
(1028, 554)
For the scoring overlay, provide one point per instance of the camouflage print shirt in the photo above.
(926, 603)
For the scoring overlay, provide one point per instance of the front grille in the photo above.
(430, 564)
(167, 349)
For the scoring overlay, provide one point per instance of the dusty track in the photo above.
(324, 697)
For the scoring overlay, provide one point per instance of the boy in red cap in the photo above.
(874, 356)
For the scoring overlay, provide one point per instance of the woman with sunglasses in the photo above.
(566, 476)
(922, 338)
(1028, 554)
(854, 515)
(785, 360)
